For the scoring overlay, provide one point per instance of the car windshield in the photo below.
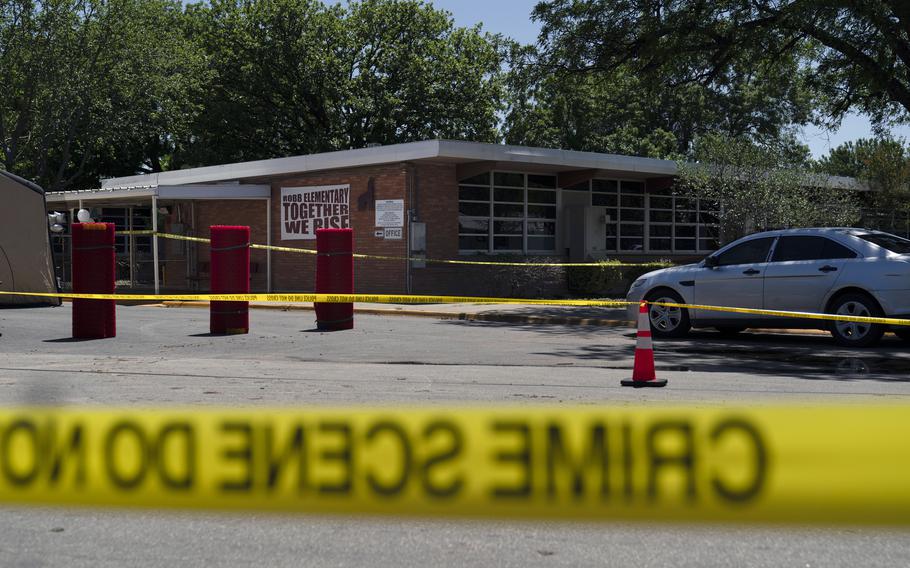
(893, 243)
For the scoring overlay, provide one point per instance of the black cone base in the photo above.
(639, 384)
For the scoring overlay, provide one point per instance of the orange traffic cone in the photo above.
(643, 371)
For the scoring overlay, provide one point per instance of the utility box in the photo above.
(586, 231)
(417, 233)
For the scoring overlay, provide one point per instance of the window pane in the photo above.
(632, 201)
(508, 211)
(541, 228)
(661, 202)
(580, 186)
(480, 179)
(687, 204)
(503, 194)
(541, 243)
(628, 230)
(705, 232)
(685, 230)
(707, 244)
(749, 252)
(612, 229)
(473, 226)
(889, 242)
(541, 181)
(661, 216)
(507, 243)
(604, 185)
(659, 244)
(474, 193)
(541, 196)
(661, 192)
(836, 250)
(685, 244)
(798, 248)
(603, 200)
(631, 243)
(632, 214)
(474, 243)
(685, 216)
(660, 230)
(474, 209)
(636, 187)
(513, 180)
(507, 227)
(611, 215)
(541, 212)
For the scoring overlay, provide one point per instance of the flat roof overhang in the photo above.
(467, 155)
(162, 193)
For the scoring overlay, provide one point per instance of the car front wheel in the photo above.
(667, 321)
(856, 334)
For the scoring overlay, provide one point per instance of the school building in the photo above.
(435, 199)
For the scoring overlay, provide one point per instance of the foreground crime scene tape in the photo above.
(412, 299)
(404, 258)
(822, 465)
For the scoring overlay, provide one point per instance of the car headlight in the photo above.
(639, 283)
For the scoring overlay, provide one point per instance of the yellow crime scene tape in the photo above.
(404, 258)
(824, 465)
(413, 299)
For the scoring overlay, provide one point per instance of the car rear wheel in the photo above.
(856, 334)
(667, 321)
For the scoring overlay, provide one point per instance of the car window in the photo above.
(748, 252)
(806, 247)
(890, 242)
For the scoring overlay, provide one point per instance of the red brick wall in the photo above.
(296, 272)
(232, 212)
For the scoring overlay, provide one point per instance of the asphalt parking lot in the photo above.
(166, 356)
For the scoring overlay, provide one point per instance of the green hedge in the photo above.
(606, 279)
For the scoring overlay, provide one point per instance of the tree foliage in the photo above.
(883, 163)
(94, 88)
(91, 88)
(851, 55)
(297, 76)
(763, 187)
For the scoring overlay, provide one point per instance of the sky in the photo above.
(512, 18)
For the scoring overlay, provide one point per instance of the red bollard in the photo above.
(230, 269)
(334, 275)
(93, 273)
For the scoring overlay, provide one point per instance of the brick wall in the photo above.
(296, 272)
(231, 212)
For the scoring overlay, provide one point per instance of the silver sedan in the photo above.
(845, 271)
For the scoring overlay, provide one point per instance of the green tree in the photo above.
(883, 163)
(89, 88)
(851, 55)
(764, 187)
(295, 77)
(565, 93)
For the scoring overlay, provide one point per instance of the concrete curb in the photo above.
(490, 317)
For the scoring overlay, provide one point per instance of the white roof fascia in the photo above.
(217, 191)
(100, 194)
(561, 158)
(281, 166)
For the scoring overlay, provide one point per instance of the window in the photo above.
(893, 243)
(507, 212)
(749, 252)
(807, 247)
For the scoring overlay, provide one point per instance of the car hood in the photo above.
(673, 270)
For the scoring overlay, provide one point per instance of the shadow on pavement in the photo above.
(813, 357)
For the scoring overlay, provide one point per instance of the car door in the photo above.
(736, 281)
(802, 270)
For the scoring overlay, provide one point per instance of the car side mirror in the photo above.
(711, 262)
